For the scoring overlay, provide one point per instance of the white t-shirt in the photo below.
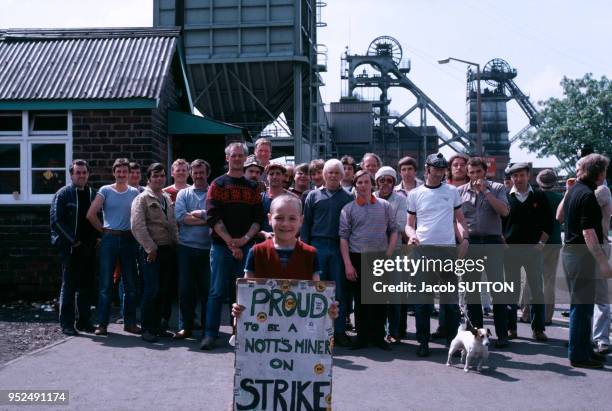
(434, 208)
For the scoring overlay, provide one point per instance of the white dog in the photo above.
(473, 343)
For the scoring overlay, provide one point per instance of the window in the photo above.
(48, 167)
(48, 122)
(35, 153)
(9, 168)
(10, 122)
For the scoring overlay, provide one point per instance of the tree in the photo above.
(582, 116)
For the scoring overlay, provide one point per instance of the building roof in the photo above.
(85, 64)
(184, 123)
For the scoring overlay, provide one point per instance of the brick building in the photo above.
(95, 94)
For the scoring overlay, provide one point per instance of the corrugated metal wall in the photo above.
(234, 28)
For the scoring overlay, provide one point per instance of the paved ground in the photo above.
(120, 372)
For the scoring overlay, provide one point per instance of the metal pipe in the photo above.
(479, 148)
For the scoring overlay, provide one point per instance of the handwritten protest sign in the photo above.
(284, 342)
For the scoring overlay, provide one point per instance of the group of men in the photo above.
(197, 236)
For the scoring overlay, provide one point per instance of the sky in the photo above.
(544, 40)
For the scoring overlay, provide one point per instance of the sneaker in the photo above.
(423, 350)
(69, 331)
(565, 313)
(119, 321)
(148, 336)
(342, 340)
(512, 334)
(182, 334)
(208, 343)
(349, 326)
(603, 348)
(101, 330)
(132, 329)
(586, 364)
(86, 328)
(540, 336)
(392, 340)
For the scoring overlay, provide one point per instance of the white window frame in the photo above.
(25, 140)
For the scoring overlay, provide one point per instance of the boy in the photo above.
(283, 255)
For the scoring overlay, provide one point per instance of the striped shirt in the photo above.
(366, 227)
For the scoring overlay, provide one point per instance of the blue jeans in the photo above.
(528, 257)
(111, 248)
(156, 276)
(139, 285)
(225, 269)
(579, 267)
(194, 284)
(332, 269)
(77, 283)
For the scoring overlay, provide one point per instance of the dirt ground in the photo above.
(27, 326)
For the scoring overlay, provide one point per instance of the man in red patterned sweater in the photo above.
(235, 214)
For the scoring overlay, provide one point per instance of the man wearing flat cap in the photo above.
(546, 180)
(527, 229)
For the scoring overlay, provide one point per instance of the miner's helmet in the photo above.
(436, 160)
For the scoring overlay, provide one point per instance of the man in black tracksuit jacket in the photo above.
(75, 238)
